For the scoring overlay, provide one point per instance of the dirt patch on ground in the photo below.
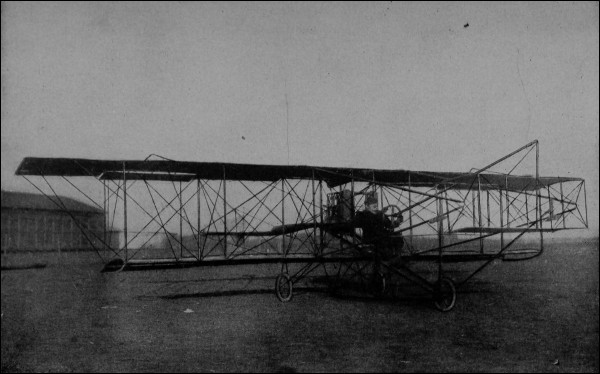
(533, 316)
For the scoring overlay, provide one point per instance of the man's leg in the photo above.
(395, 249)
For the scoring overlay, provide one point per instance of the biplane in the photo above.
(161, 213)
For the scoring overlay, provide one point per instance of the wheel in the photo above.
(444, 294)
(393, 213)
(379, 284)
(283, 287)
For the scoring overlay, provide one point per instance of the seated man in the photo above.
(377, 229)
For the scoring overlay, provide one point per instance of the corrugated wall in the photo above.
(38, 230)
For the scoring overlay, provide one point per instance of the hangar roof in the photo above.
(24, 200)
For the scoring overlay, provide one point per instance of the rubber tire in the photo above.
(444, 288)
(288, 295)
(380, 285)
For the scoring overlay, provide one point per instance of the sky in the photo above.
(445, 86)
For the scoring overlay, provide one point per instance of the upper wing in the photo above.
(185, 170)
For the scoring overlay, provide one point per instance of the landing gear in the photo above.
(284, 287)
(444, 294)
(379, 284)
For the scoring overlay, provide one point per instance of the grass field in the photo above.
(533, 316)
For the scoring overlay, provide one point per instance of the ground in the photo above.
(532, 316)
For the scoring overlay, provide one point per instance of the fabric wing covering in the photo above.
(169, 170)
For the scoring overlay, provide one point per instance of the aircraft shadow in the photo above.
(24, 267)
(416, 301)
(297, 290)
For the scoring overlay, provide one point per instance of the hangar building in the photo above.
(31, 222)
